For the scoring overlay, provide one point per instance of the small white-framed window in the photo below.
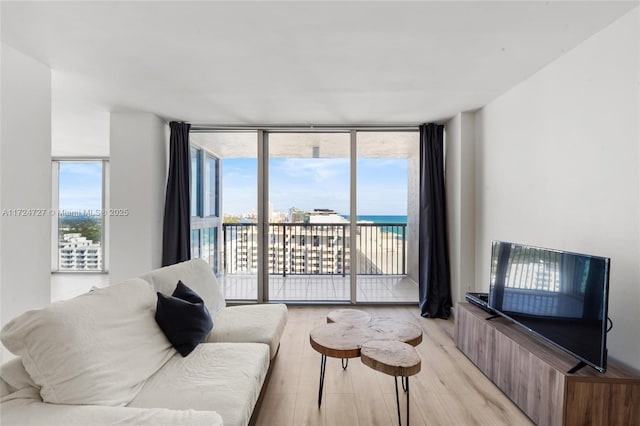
(79, 215)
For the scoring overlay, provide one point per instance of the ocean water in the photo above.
(381, 218)
(391, 220)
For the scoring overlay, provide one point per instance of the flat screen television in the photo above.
(560, 296)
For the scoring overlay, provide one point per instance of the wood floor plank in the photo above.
(448, 391)
(281, 380)
(447, 410)
(341, 410)
(371, 410)
(307, 412)
(370, 403)
(415, 409)
(363, 378)
(276, 409)
(309, 375)
(336, 380)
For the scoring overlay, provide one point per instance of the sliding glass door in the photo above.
(322, 216)
(309, 207)
(384, 194)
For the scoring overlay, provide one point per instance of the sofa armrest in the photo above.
(262, 323)
(25, 409)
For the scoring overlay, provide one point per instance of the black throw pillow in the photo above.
(183, 318)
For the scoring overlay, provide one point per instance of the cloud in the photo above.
(81, 169)
(382, 163)
(318, 170)
(308, 183)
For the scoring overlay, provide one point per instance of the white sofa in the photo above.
(101, 359)
(241, 324)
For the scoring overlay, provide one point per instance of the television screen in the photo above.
(560, 296)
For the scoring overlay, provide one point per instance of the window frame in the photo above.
(201, 223)
(263, 134)
(55, 217)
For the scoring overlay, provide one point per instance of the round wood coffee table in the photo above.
(349, 316)
(343, 340)
(395, 330)
(339, 340)
(336, 340)
(394, 358)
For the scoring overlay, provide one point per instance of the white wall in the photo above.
(138, 152)
(79, 128)
(459, 181)
(25, 183)
(557, 165)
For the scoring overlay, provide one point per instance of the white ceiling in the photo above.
(371, 144)
(337, 63)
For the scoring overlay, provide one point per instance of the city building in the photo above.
(324, 216)
(294, 247)
(318, 244)
(76, 253)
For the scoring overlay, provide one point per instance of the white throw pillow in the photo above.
(195, 274)
(98, 348)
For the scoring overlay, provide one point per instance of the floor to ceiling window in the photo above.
(309, 215)
(205, 207)
(79, 214)
(235, 200)
(309, 206)
(384, 193)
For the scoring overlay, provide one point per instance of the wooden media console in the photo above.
(533, 373)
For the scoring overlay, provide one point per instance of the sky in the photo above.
(304, 183)
(310, 183)
(80, 186)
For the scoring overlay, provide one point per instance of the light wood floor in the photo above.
(449, 390)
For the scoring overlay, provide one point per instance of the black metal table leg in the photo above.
(405, 387)
(398, 401)
(323, 366)
(407, 390)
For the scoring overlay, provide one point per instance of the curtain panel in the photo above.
(176, 231)
(434, 278)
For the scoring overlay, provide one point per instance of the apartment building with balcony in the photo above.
(76, 253)
(294, 249)
(319, 243)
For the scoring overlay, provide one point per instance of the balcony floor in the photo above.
(324, 288)
(331, 288)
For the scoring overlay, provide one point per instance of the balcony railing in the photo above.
(317, 249)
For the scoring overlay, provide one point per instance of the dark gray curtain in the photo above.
(433, 249)
(176, 231)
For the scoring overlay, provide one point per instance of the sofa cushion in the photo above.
(251, 323)
(97, 348)
(223, 377)
(197, 274)
(14, 374)
(5, 388)
(34, 412)
(183, 318)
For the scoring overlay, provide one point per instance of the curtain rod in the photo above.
(197, 128)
